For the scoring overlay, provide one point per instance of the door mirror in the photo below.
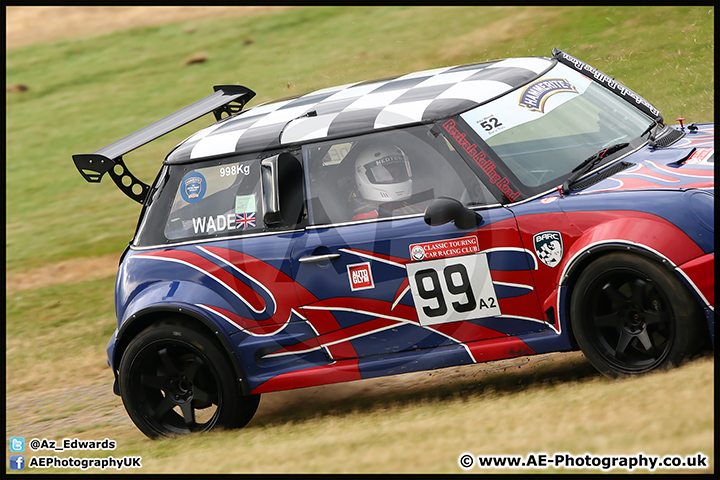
(445, 209)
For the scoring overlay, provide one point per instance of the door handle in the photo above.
(318, 258)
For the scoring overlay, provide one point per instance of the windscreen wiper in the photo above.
(587, 165)
(649, 129)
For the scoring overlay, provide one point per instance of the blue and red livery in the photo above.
(557, 212)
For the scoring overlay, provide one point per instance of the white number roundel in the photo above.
(453, 289)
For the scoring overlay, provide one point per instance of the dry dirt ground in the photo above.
(27, 25)
(96, 404)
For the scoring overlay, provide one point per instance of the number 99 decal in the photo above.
(453, 289)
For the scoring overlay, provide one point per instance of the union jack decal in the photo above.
(245, 220)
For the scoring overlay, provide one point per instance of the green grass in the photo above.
(84, 94)
(57, 334)
(87, 93)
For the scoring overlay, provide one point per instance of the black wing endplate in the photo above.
(92, 166)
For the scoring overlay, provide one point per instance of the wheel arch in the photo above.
(577, 263)
(151, 315)
(640, 233)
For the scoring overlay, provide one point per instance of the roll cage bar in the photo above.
(92, 166)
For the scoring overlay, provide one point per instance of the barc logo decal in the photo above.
(548, 247)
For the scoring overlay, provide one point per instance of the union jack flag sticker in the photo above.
(244, 220)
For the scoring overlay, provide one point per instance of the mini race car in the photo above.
(440, 218)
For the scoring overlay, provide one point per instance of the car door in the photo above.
(386, 282)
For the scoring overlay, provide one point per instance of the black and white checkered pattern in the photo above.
(361, 107)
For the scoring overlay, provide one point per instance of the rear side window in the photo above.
(216, 200)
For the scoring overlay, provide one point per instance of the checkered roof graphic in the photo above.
(361, 107)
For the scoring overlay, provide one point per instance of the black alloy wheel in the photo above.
(631, 315)
(174, 380)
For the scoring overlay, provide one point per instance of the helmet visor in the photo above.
(391, 169)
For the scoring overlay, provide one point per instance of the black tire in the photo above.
(176, 380)
(631, 315)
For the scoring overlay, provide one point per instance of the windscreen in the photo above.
(544, 130)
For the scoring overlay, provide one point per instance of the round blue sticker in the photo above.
(192, 187)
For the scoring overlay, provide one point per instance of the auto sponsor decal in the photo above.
(193, 187)
(360, 276)
(548, 247)
(536, 94)
(444, 248)
(453, 289)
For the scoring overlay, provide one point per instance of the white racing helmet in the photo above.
(382, 174)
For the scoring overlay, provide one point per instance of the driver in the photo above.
(383, 183)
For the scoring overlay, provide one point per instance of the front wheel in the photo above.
(175, 380)
(630, 316)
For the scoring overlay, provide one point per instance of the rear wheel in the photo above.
(630, 315)
(175, 380)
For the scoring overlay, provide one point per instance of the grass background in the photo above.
(87, 92)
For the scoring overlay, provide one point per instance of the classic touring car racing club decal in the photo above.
(442, 286)
(444, 248)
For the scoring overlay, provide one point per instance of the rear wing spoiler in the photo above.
(610, 83)
(92, 166)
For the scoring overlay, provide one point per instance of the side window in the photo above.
(388, 174)
(221, 199)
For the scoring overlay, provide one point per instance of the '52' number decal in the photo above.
(453, 289)
(490, 124)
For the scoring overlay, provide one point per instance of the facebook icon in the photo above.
(17, 462)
